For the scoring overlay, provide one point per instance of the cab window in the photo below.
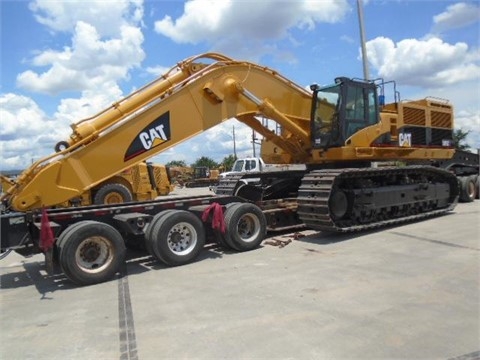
(325, 116)
(249, 165)
(360, 109)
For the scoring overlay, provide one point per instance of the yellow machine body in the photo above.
(195, 95)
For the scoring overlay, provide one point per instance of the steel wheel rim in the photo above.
(94, 254)
(182, 238)
(248, 227)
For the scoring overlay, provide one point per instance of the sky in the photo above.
(63, 61)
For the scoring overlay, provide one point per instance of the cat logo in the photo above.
(153, 135)
(405, 139)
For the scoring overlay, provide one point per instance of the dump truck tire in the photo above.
(113, 194)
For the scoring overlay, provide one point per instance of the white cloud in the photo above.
(106, 44)
(157, 70)
(71, 69)
(26, 132)
(456, 16)
(441, 69)
(204, 20)
(470, 121)
(19, 114)
(104, 34)
(92, 101)
(107, 16)
(234, 27)
(427, 63)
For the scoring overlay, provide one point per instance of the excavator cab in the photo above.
(342, 109)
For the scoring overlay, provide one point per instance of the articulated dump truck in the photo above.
(337, 132)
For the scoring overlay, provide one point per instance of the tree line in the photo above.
(204, 161)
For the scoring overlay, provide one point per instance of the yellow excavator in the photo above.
(193, 96)
(337, 131)
(336, 127)
(141, 182)
(203, 176)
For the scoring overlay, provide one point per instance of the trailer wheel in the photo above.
(148, 231)
(221, 238)
(113, 194)
(177, 238)
(467, 188)
(246, 226)
(65, 234)
(90, 252)
(474, 179)
(477, 186)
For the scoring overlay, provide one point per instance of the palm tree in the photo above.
(459, 138)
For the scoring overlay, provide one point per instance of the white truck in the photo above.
(256, 164)
(247, 172)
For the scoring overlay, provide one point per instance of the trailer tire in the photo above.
(467, 189)
(221, 238)
(246, 226)
(177, 238)
(90, 252)
(148, 241)
(477, 185)
(65, 234)
(113, 194)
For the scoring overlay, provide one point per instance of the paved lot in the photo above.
(409, 292)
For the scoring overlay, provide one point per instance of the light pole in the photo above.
(366, 74)
(254, 142)
(234, 144)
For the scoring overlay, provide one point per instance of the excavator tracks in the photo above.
(348, 200)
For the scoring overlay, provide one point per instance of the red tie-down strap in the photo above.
(218, 222)
(46, 234)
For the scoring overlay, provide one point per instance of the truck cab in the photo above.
(250, 164)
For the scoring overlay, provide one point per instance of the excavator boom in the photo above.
(189, 99)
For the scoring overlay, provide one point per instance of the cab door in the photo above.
(360, 107)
